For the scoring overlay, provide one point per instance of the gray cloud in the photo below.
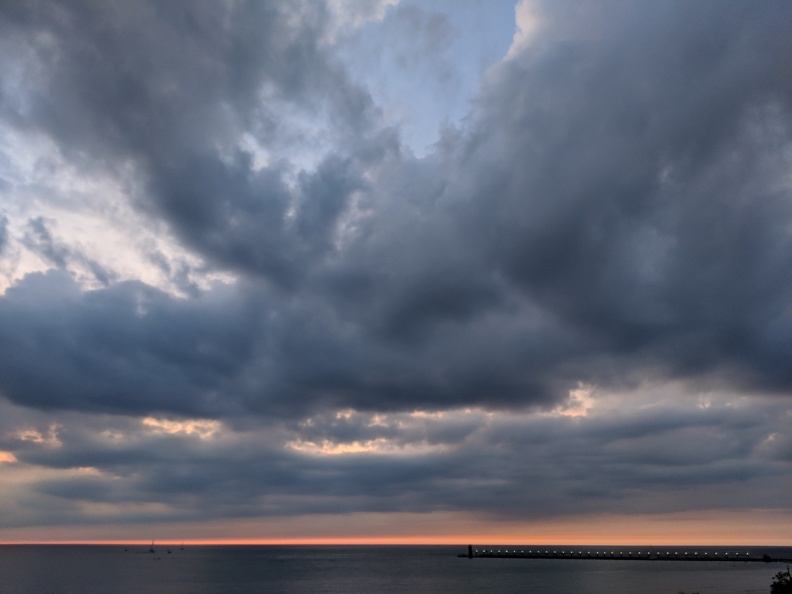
(165, 89)
(643, 463)
(615, 211)
(636, 201)
(128, 348)
(587, 227)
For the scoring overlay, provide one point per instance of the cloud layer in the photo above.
(603, 242)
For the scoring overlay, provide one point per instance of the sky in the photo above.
(396, 271)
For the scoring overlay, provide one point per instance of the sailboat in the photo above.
(151, 550)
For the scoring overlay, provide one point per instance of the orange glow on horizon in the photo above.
(476, 540)
(457, 542)
(727, 528)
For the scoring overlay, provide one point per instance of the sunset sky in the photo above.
(396, 271)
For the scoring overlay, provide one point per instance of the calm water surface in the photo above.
(66, 569)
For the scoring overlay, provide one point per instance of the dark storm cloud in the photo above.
(231, 352)
(158, 78)
(169, 89)
(127, 348)
(511, 466)
(615, 208)
(238, 218)
(628, 178)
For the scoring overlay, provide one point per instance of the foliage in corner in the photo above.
(782, 583)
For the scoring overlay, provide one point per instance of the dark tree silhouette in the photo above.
(782, 583)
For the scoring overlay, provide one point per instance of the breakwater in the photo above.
(631, 554)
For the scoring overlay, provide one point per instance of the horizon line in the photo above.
(376, 542)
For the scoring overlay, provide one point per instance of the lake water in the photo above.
(67, 569)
